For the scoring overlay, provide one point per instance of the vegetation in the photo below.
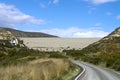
(105, 52)
(109, 57)
(41, 69)
(22, 63)
(29, 64)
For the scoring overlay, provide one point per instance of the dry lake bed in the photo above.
(58, 44)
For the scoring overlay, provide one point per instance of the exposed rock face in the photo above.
(6, 35)
(115, 33)
(114, 36)
(7, 39)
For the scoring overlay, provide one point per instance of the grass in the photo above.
(22, 63)
(71, 75)
(41, 69)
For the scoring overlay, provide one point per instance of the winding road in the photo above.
(92, 72)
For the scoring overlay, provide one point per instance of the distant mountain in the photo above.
(19, 33)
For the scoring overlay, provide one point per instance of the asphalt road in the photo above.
(93, 72)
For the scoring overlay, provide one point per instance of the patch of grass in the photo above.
(41, 69)
(74, 70)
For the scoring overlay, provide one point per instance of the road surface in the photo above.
(93, 72)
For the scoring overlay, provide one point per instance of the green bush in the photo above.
(74, 53)
(57, 55)
(2, 54)
(116, 65)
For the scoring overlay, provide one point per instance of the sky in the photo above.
(63, 18)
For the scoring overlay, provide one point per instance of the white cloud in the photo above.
(55, 1)
(46, 4)
(90, 33)
(108, 13)
(118, 17)
(98, 24)
(76, 32)
(97, 2)
(42, 5)
(10, 16)
(91, 9)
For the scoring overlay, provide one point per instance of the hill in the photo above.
(19, 33)
(105, 51)
(108, 44)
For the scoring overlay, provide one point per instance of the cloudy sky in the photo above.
(64, 18)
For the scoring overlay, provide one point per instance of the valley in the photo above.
(58, 44)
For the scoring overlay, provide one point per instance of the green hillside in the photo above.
(105, 52)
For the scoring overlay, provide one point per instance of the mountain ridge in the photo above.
(19, 33)
(105, 51)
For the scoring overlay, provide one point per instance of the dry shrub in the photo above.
(46, 69)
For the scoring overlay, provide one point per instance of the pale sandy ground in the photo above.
(53, 44)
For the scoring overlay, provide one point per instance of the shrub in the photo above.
(57, 55)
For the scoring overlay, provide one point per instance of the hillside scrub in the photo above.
(107, 53)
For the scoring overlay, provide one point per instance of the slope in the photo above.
(19, 33)
(105, 51)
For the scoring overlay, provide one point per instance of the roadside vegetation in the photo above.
(22, 63)
(104, 53)
(40, 69)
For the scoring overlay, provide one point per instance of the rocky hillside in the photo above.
(19, 33)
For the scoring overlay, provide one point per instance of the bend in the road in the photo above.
(93, 72)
